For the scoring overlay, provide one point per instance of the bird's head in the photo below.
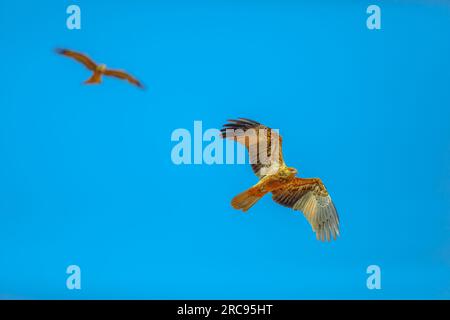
(101, 67)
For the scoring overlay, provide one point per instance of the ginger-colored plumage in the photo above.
(307, 195)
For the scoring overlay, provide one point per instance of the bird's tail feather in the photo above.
(95, 78)
(246, 199)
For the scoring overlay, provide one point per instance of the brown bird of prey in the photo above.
(98, 69)
(307, 195)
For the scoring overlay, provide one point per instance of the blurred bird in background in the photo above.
(98, 70)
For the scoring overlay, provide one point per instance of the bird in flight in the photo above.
(98, 70)
(265, 153)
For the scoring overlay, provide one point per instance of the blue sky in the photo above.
(86, 176)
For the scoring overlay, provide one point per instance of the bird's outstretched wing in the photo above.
(262, 143)
(311, 197)
(80, 57)
(124, 76)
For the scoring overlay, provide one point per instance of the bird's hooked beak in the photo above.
(293, 170)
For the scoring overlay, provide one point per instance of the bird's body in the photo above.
(274, 181)
(98, 70)
(307, 195)
(266, 184)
